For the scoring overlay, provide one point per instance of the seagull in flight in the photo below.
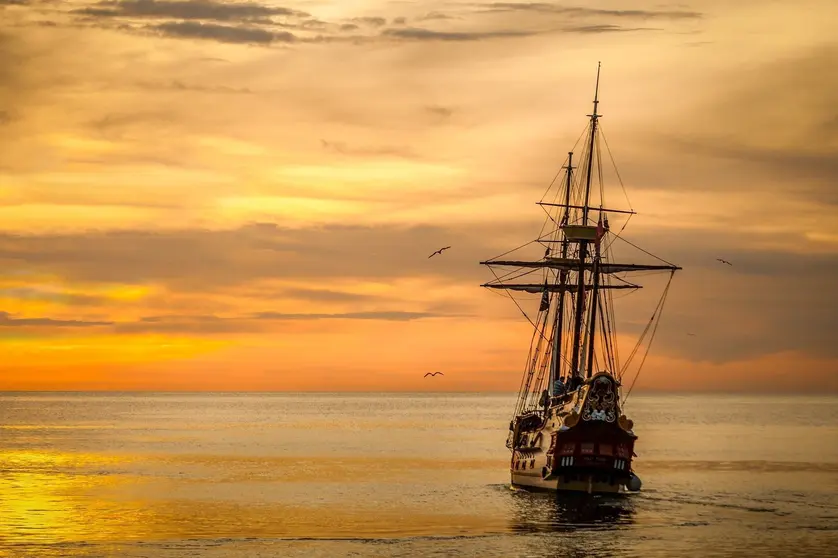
(723, 261)
(434, 374)
(440, 251)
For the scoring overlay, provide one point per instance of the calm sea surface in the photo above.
(222, 475)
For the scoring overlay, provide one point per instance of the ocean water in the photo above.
(322, 475)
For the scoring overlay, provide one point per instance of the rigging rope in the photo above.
(605, 329)
(510, 251)
(599, 175)
(612, 319)
(515, 301)
(524, 396)
(619, 178)
(525, 377)
(583, 134)
(540, 357)
(642, 250)
(616, 170)
(509, 277)
(659, 312)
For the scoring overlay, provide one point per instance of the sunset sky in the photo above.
(225, 195)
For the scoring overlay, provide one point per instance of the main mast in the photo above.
(578, 351)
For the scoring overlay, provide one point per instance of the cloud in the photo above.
(227, 22)
(344, 149)
(12, 61)
(812, 169)
(326, 295)
(178, 85)
(196, 258)
(201, 19)
(387, 316)
(205, 258)
(223, 33)
(7, 320)
(435, 15)
(419, 34)
(606, 29)
(769, 300)
(437, 110)
(118, 126)
(372, 21)
(777, 118)
(210, 324)
(186, 324)
(576, 11)
(191, 9)
(69, 299)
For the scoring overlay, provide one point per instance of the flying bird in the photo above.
(723, 261)
(691, 334)
(434, 374)
(440, 251)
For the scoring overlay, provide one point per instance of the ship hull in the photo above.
(580, 443)
(581, 486)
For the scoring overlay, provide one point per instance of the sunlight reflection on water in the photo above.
(147, 484)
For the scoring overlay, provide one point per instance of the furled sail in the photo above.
(573, 265)
(553, 288)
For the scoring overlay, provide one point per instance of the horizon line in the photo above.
(398, 392)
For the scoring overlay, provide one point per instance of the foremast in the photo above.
(576, 279)
(555, 363)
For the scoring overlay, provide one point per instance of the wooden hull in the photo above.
(579, 444)
(535, 482)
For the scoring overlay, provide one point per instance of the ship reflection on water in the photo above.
(569, 525)
(541, 512)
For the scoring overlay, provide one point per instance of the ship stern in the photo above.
(593, 448)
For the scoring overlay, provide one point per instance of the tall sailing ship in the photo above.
(568, 431)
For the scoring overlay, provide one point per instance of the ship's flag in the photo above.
(600, 231)
(545, 300)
